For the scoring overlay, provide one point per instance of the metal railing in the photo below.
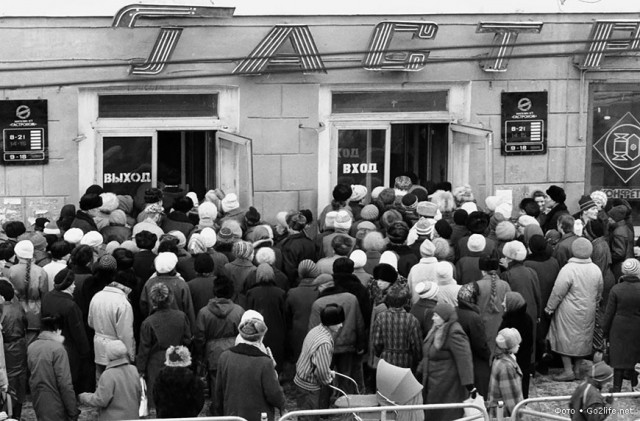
(225, 418)
(384, 409)
(520, 408)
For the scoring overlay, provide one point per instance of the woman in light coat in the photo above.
(572, 305)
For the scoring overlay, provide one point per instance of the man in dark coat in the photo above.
(296, 247)
(397, 234)
(621, 239)
(178, 219)
(344, 278)
(555, 203)
(298, 306)
(143, 260)
(89, 205)
(562, 251)
(60, 302)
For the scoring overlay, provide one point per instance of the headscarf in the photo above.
(514, 301)
(468, 293)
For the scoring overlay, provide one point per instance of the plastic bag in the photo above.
(479, 400)
(143, 411)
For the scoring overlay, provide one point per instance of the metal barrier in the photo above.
(384, 409)
(228, 418)
(520, 407)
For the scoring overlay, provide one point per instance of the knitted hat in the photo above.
(443, 249)
(230, 202)
(253, 330)
(537, 244)
(36, 238)
(265, 255)
(504, 209)
(409, 201)
(397, 233)
(460, 217)
(177, 356)
(90, 201)
(495, 219)
(107, 263)
(601, 372)
(515, 250)
(24, 249)
(225, 235)
(402, 183)
(63, 279)
(375, 193)
(600, 198)
(444, 310)
(389, 258)
(428, 290)
(618, 213)
(330, 219)
(208, 237)
(264, 273)
(153, 195)
(427, 209)
(92, 239)
(508, 338)
(492, 202)
(308, 269)
(118, 217)
(556, 194)
(235, 228)
(196, 244)
(476, 243)
(165, 262)
(444, 273)
(586, 203)
(443, 229)
(203, 263)
(488, 264)
(526, 220)
(631, 267)
(358, 192)
(389, 217)
(14, 229)
(469, 207)
(115, 350)
(214, 195)
(341, 192)
(110, 202)
(322, 279)
(242, 250)
(252, 216)
(342, 244)
(359, 258)
(581, 248)
(369, 213)
(385, 272)
(364, 228)
(505, 231)
(343, 265)
(387, 196)
(297, 221)
(51, 228)
(477, 222)
(181, 240)
(207, 211)
(427, 249)
(158, 294)
(332, 315)
(423, 227)
(343, 220)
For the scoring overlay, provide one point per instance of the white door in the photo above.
(235, 166)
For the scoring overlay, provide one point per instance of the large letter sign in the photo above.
(506, 35)
(379, 57)
(603, 40)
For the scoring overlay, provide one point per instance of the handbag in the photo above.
(143, 411)
(478, 400)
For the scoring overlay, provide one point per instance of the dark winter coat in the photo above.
(472, 324)
(297, 311)
(178, 221)
(178, 393)
(201, 289)
(216, 330)
(115, 233)
(621, 323)
(551, 218)
(547, 269)
(462, 248)
(268, 300)
(296, 248)
(563, 252)
(247, 384)
(423, 311)
(352, 284)
(162, 329)
(84, 221)
(143, 264)
(467, 268)
(521, 321)
(239, 271)
(524, 280)
(601, 257)
(73, 329)
(181, 296)
(406, 258)
(50, 382)
(621, 241)
(14, 329)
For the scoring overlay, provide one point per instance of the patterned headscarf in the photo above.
(469, 293)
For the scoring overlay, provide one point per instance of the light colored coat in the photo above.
(425, 270)
(111, 316)
(574, 298)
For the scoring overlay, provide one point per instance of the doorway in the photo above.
(421, 149)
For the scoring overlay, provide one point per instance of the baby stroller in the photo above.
(395, 386)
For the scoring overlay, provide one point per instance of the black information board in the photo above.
(24, 132)
(524, 123)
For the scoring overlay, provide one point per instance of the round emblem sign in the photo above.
(23, 112)
(524, 104)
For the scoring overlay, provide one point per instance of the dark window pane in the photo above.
(361, 157)
(388, 102)
(126, 164)
(164, 105)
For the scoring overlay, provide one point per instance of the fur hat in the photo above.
(265, 255)
(130, 245)
(369, 213)
(343, 220)
(252, 216)
(359, 258)
(631, 267)
(443, 229)
(556, 194)
(427, 249)
(14, 229)
(341, 192)
(460, 217)
(427, 289)
(444, 310)
(165, 262)
(581, 248)
(90, 201)
(332, 315)
(358, 192)
(427, 209)
(387, 196)
(343, 265)
(409, 201)
(297, 221)
(443, 200)
(153, 195)
(364, 228)
(385, 272)
(618, 213)
(463, 194)
(600, 198)
(92, 239)
(24, 249)
(397, 233)
(488, 264)
(110, 202)
(63, 279)
(177, 356)
(476, 243)
(601, 372)
(115, 350)
(537, 244)
(508, 338)
(374, 241)
(6, 289)
(118, 217)
(402, 183)
(203, 263)
(444, 273)
(230, 202)
(477, 222)
(505, 209)
(515, 250)
(443, 249)
(505, 231)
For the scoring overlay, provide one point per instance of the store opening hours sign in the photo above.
(24, 131)
(524, 123)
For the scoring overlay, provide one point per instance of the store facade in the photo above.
(280, 109)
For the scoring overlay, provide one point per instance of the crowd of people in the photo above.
(200, 295)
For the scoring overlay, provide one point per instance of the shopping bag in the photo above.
(479, 400)
(144, 404)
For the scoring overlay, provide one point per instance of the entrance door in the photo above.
(421, 149)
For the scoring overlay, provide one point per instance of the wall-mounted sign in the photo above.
(620, 147)
(24, 131)
(524, 123)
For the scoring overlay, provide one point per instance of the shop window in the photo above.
(126, 163)
(388, 102)
(615, 135)
(158, 106)
(361, 157)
